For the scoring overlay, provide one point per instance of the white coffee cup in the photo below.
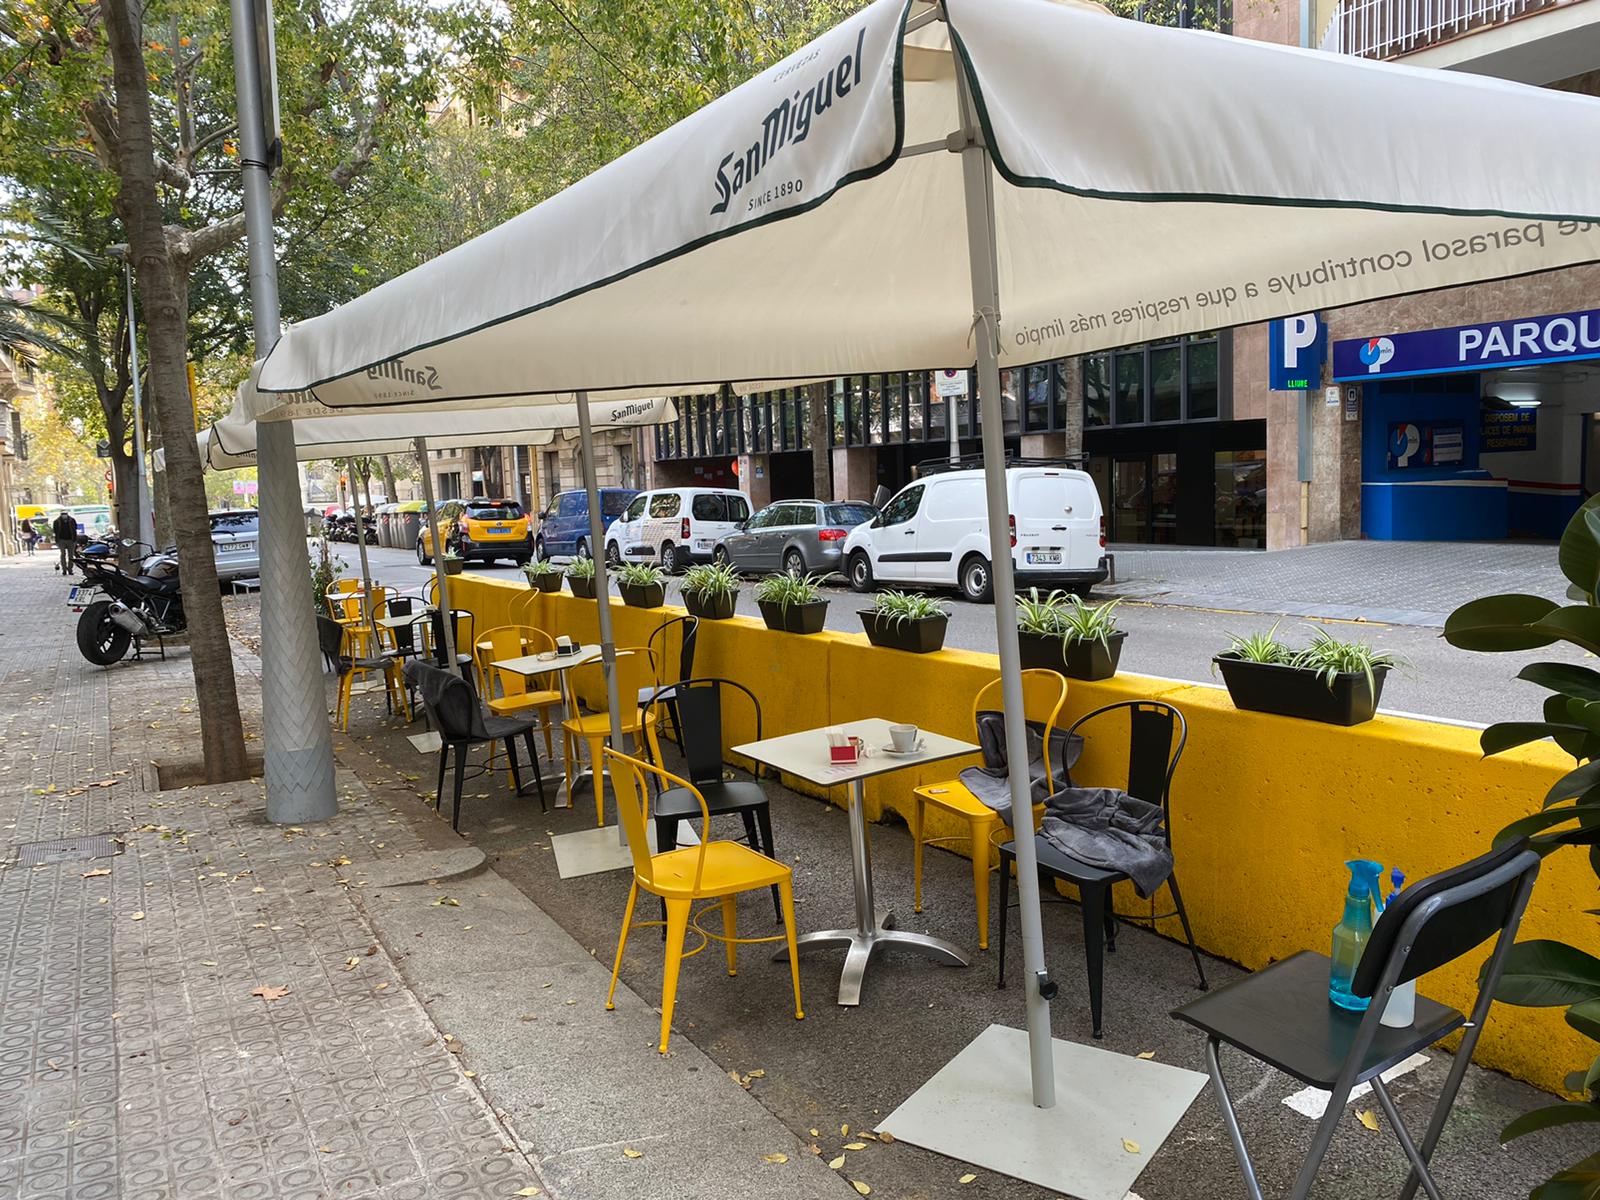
(904, 737)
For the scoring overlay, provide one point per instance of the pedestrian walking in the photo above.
(65, 530)
(29, 536)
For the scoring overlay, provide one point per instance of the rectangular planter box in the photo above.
(709, 608)
(581, 588)
(545, 583)
(1297, 692)
(796, 618)
(1082, 660)
(921, 636)
(645, 595)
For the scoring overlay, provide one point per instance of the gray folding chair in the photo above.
(1283, 1016)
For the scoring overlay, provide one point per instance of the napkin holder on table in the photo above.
(843, 750)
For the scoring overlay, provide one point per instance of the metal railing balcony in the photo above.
(1391, 28)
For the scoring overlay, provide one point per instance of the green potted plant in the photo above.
(906, 621)
(1332, 681)
(452, 563)
(710, 590)
(1039, 630)
(791, 603)
(580, 577)
(1091, 643)
(642, 585)
(543, 575)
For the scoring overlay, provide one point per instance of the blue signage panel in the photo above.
(1297, 348)
(1508, 429)
(1424, 444)
(1556, 338)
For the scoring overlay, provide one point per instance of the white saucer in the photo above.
(911, 753)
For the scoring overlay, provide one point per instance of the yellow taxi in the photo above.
(486, 530)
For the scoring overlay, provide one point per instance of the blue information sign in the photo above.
(1508, 429)
(1555, 338)
(1297, 347)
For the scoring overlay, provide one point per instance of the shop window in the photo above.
(1204, 380)
(1166, 383)
(1036, 416)
(1128, 405)
(916, 406)
(1241, 498)
(840, 387)
(876, 417)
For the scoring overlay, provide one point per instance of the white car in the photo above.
(935, 533)
(675, 526)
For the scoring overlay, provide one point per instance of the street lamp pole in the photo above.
(144, 521)
(297, 740)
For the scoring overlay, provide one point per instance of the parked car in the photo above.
(93, 519)
(676, 526)
(236, 543)
(564, 525)
(798, 536)
(485, 530)
(935, 533)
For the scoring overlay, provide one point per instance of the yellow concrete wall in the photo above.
(1265, 809)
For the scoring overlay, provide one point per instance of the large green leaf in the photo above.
(1579, 554)
(1551, 1116)
(1574, 783)
(1546, 974)
(1497, 623)
(1506, 734)
(1580, 1181)
(1585, 1018)
(1540, 821)
(1576, 623)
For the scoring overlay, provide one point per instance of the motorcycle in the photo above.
(147, 603)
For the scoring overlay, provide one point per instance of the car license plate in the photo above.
(1044, 558)
(702, 543)
(80, 596)
(238, 547)
(499, 529)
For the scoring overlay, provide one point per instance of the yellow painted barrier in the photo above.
(1265, 809)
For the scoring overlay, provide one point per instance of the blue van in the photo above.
(564, 524)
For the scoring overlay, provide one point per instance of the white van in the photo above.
(675, 526)
(935, 533)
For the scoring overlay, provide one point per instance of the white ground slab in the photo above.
(1112, 1114)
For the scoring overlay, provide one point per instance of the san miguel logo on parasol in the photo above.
(788, 124)
(397, 370)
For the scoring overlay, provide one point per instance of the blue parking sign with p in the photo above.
(1297, 347)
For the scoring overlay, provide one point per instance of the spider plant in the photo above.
(1330, 657)
(637, 574)
(785, 590)
(896, 608)
(1080, 622)
(581, 568)
(1039, 616)
(1260, 648)
(540, 568)
(710, 581)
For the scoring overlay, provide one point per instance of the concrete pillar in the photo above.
(854, 473)
(1044, 445)
(755, 480)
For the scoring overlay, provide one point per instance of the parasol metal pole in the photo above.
(366, 570)
(144, 520)
(978, 180)
(440, 575)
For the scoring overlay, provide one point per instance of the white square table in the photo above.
(806, 755)
(549, 663)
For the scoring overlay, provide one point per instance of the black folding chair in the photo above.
(459, 716)
(1152, 761)
(698, 703)
(1283, 1017)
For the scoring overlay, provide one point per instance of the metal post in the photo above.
(602, 591)
(296, 736)
(440, 575)
(951, 412)
(367, 614)
(978, 178)
(145, 519)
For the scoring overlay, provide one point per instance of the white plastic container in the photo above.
(1401, 1011)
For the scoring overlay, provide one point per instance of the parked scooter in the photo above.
(147, 603)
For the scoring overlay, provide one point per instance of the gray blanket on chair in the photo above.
(991, 782)
(1111, 829)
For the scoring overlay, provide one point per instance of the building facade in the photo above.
(16, 380)
(531, 475)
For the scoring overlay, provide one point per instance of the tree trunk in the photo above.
(126, 500)
(164, 290)
(819, 420)
(390, 488)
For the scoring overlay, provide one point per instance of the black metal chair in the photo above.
(1282, 1015)
(672, 648)
(464, 630)
(462, 723)
(333, 640)
(1152, 760)
(698, 703)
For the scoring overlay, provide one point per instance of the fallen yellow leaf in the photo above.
(855, 1145)
(270, 992)
(775, 1158)
(815, 1133)
(837, 1163)
(1132, 1147)
(630, 1152)
(1368, 1118)
(861, 1187)
(527, 1191)
(1148, 1054)
(757, 1074)
(967, 1178)
(844, 1131)
(885, 1136)
(138, 916)
(350, 964)
(96, 873)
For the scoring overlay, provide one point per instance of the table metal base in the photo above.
(873, 930)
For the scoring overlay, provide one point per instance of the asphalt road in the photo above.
(1177, 642)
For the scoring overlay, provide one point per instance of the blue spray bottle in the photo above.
(1351, 933)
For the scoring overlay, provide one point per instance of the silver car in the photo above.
(799, 536)
(236, 543)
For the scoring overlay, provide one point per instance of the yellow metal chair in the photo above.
(710, 871)
(508, 693)
(1044, 693)
(636, 670)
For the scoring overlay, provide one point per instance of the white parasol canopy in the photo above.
(991, 181)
